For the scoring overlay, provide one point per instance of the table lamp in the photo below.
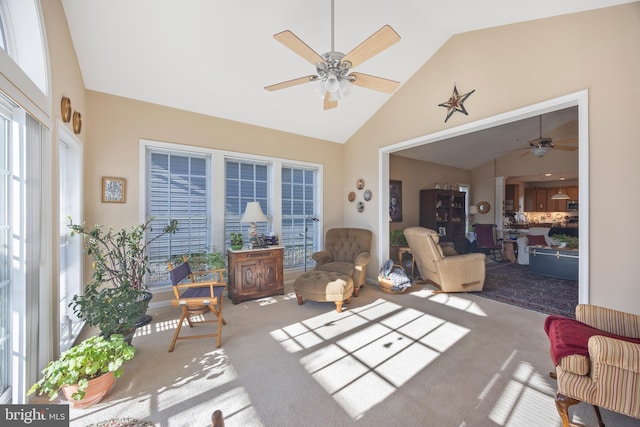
(253, 213)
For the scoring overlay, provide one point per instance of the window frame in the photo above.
(217, 175)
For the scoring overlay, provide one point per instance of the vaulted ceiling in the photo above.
(215, 57)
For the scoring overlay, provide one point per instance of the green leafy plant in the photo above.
(236, 239)
(112, 301)
(81, 363)
(571, 241)
(203, 260)
(396, 238)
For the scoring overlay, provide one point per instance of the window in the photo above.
(246, 181)
(70, 202)
(177, 188)
(299, 207)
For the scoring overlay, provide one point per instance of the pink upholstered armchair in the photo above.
(346, 251)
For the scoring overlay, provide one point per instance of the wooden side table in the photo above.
(510, 250)
(406, 250)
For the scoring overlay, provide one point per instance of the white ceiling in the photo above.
(471, 150)
(214, 57)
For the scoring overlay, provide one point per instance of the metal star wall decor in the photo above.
(456, 103)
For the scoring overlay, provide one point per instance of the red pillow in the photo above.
(536, 240)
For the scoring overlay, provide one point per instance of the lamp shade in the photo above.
(473, 209)
(560, 196)
(253, 213)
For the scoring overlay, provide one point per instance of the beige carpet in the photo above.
(415, 359)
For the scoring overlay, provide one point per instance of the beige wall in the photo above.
(415, 176)
(117, 125)
(518, 65)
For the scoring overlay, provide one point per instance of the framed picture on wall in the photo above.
(395, 201)
(113, 189)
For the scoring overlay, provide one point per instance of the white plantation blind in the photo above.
(177, 188)
(246, 181)
(299, 203)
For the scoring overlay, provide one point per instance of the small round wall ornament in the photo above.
(367, 195)
(65, 109)
(360, 207)
(352, 196)
(360, 184)
(77, 122)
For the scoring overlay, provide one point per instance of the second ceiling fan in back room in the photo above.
(540, 146)
(334, 68)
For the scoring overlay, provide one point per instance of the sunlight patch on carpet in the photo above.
(453, 301)
(374, 350)
(527, 399)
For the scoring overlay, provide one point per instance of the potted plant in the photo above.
(236, 241)
(86, 372)
(571, 242)
(117, 297)
(203, 260)
(396, 238)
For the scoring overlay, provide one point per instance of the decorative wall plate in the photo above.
(360, 206)
(77, 122)
(65, 109)
(360, 184)
(367, 195)
(483, 207)
(352, 196)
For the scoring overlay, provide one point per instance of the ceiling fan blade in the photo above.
(376, 43)
(289, 83)
(292, 41)
(566, 141)
(328, 102)
(375, 83)
(565, 148)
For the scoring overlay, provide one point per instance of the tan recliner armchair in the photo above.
(346, 251)
(607, 374)
(458, 273)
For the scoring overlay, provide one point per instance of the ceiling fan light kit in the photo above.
(334, 68)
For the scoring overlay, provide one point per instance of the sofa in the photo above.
(541, 237)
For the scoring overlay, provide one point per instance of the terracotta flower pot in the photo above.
(97, 390)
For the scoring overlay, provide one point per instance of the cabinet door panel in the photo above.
(269, 274)
(248, 274)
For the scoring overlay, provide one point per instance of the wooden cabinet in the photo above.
(444, 211)
(512, 198)
(529, 199)
(540, 199)
(255, 273)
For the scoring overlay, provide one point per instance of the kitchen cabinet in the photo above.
(529, 199)
(512, 198)
(444, 211)
(255, 273)
(541, 200)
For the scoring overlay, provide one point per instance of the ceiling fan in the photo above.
(333, 69)
(540, 146)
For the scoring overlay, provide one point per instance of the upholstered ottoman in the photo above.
(320, 286)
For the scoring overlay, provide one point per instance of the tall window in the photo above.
(177, 188)
(299, 208)
(246, 181)
(70, 202)
(5, 262)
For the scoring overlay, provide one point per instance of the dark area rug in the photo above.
(514, 284)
